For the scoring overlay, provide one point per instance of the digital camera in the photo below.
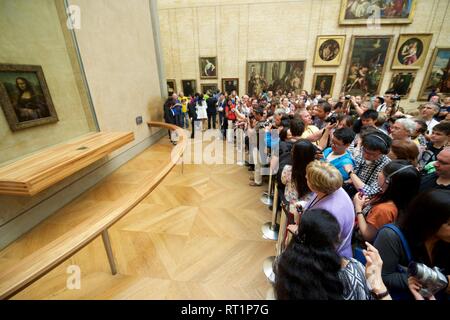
(432, 280)
(331, 119)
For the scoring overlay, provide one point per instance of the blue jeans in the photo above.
(184, 120)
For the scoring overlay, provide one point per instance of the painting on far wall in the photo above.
(366, 64)
(208, 67)
(323, 82)
(208, 88)
(230, 84)
(189, 87)
(171, 87)
(274, 76)
(373, 12)
(401, 83)
(438, 74)
(24, 96)
(411, 51)
(329, 51)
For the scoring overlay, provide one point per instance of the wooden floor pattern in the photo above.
(196, 236)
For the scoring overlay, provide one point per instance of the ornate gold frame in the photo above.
(364, 21)
(318, 62)
(396, 65)
(202, 86)
(324, 74)
(352, 43)
(230, 79)
(414, 73)
(8, 108)
(200, 68)
(422, 95)
(174, 85)
(248, 63)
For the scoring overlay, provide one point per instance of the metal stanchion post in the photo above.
(267, 197)
(282, 232)
(268, 268)
(270, 229)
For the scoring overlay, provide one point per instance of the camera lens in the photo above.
(413, 269)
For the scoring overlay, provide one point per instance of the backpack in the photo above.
(426, 157)
(358, 252)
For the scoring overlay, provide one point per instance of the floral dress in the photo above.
(296, 205)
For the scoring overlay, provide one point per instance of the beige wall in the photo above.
(237, 31)
(118, 51)
(31, 34)
(117, 48)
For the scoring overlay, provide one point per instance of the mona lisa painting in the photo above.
(24, 96)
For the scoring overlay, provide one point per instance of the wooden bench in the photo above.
(34, 266)
(31, 175)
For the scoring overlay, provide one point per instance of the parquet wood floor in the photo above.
(196, 236)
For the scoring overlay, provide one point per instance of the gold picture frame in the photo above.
(367, 64)
(401, 82)
(268, 76)
(230, 84)
(171, 87)
(411, 51)
(189, 87)
(205, 87)
(329, 50)
(438, 74)
(323, 82)
(25, 97)
(366, 12)
(208, 67)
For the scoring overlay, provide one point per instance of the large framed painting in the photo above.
(25, 97)
(366, 64)
(375, 12)
(209, 88)
(208, 67)
(323, 82)
(411, 51)
(401, 83)
(438, 74)
(189, 87)
(230, 84)
(171, 87)
(275, 76)
(329, 51)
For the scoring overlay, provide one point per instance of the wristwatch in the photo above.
(359, 212)
(379, 296)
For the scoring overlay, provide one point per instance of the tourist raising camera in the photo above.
(423, 236)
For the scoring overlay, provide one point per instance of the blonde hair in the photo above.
(323, 177)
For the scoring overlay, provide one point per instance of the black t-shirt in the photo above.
(211, 105)
(429, 182)
(434, 149)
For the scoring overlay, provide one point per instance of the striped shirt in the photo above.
(368, 173)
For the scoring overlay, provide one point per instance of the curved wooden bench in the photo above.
(34, 266)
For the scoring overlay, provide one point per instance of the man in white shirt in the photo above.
(379, 105)
(427, 113)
